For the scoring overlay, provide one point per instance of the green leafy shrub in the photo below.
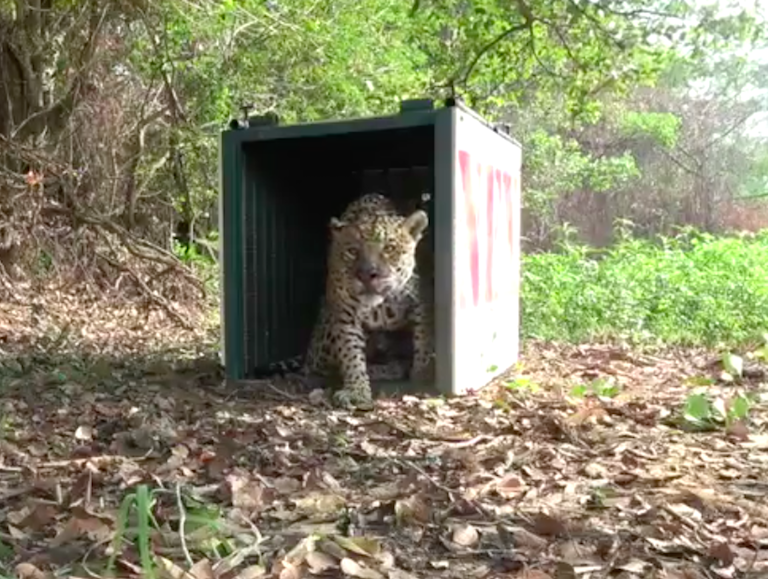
(691, 289)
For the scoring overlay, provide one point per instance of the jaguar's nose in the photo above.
(367, 272)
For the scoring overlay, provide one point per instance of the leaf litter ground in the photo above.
(578, 465)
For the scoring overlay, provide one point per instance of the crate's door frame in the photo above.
(444, 290)
(231, 258)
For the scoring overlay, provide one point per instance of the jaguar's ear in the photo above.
(336, 226)
(416, 223)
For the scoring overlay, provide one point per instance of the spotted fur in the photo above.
(371, 287)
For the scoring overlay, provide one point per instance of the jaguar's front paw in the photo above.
(354, 398)
(424, 371)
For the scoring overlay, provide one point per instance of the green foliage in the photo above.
(663, 128)
(689, 289)
(311, 60)
(176, 71)
(140, 502)
(545, 48)
(202, 258)
(6, 553)
(600, 387)
(734, 365)
(522, 383)
(555, 166)
(304, 60)
(755, 182)
(200, 524)
(703, 411)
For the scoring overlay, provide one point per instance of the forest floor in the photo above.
(583, 465)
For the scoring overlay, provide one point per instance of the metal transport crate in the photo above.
(280, 186)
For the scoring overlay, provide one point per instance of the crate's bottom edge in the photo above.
(380, 388)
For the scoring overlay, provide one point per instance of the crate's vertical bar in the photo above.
(262, 264)
(275, 275)
(231, 228)
(252, 173)
(444, 290)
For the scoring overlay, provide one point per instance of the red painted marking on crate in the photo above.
(491, 176)
(504, 235)
(497, 228)
(471, 224)
(510, 184)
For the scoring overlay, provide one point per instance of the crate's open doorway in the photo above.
(294, 187)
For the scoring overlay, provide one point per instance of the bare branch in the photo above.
(691, 171)
(491, 45)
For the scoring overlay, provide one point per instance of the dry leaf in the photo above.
(315, 479)
(92, 527)
(40, 517)
(288, 572)
(84, 433)
(232, 561)
(442, 564)
(738, 430)
(757, 441)
(202, 570)
(298, 554)
(528, 540)
(722, 552)
(247, 494)
(354, 569)
(180, 450)
(29, 571)
(595, 470)
(332, 548)
(413, 509)
(361, 545)
(286, 485)
(317, 503)
(510, 485)
(170, 569)
(251, 572)
(587, 413)
(686, 512)
(317, 397)
(548, 525)
(319, 562)
(636, 566)
(564, 571)
(465, 535)
(17, 534)
(372, 449)
(17, 517)
(386, 560)
(386, 492)
(533, 574)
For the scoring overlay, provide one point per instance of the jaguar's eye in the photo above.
(351, 253)
(390, 248)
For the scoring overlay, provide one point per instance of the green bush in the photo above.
(692, 289)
